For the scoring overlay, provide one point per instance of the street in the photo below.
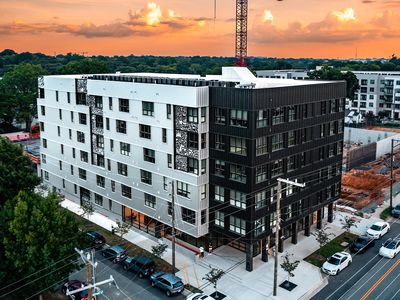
(370, 276)
(130, 285)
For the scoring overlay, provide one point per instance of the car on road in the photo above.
(141, 265)
(396, 211)
(390, 248)
(336, 263)
(73, 285)
(167, 282)
(96, 239)
(378, 229)
(199, 296)
(115, 253)
(362, 243)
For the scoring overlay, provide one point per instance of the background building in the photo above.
(118, 140)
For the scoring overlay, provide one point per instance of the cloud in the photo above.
(340, 26)
(150, 20)
(268, 17)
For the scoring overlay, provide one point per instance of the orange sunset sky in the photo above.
(289, 28)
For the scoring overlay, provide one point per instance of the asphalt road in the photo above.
(130, 285)
(370, 276)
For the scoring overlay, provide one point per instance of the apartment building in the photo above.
(379, 90)
(120, 140)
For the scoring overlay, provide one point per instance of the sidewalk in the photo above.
(238, 283)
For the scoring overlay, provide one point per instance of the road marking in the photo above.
(395, 279)
(374, 286)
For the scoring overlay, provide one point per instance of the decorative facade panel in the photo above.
(40, 82)
(96, 149)
(181, 163)
(181, 145)
(181, 121)
(81, 85)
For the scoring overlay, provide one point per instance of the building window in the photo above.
(149, 200)
(72, 170)
(101, 181)
(60, 164)
(262, 118)
(220, 116)
(113, 186)
(261, 199)
(99, 141)
(126, 191)
(219, 218)
(108, 123)
(149, 155)
(42, 110)
(291, 163)
(82, 174)
(193, 140)
(146, 177)
(84, 156)
(82, 119)
(238, 146)
(122, 169)
(63, 183)
(145, 131)
(73, 152)
(238, 118)
(188, 215)
(148, 108)
(44, 158)
(125, 149)
(278, 116)
(60, 114)
(219, 142)
(277, 142)
(80, 99)
(72, 117)
(80, 137)
(98, 102)
(98, 160)
(99, 121)
(165, 183)
(121, 126)
(203, 114)
(164, 135)
(58, 130)
(193, 166)
(237, 199)
(203, 166)
(219, 168)
(237, 173)
(203, 219)
(110, 103)
(169, 209)
(41, 93)
(123, 105)
(42, 126)
(62, 148)
(291, 138)
(261, 173)
(44, 141)
(203, 140)
(70, 133)
(261, 145)
(291, 113)
(277, 168)
(108, 164)
(219, 193)
(237, 225)
(192, 115)
(169, 111)
(203, 192)
(182, 189)
(259, 226)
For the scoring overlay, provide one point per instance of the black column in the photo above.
(264, 246)
(249, 257)
(330, 212)
(307, 225)
(294, 233)
(157, 230)
(280, 242)
(319, 218)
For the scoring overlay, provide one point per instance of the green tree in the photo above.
(322, 236)
(16, 171)
(20, 87)
(347, 223)
(37, 238)
(213, 277)
(288, 265)
(86, 66)
(158, 250)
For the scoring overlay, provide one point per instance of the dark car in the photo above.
(396, 211)
(142, 265)
(361, 244)
(167, 282)
(115, 253)
(96, 239)
(73, 285)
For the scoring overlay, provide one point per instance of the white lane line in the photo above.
(389, 286)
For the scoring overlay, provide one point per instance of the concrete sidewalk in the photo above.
(238, 283)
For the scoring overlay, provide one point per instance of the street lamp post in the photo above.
(391, 169)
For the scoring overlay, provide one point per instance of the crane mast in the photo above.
(241, 33)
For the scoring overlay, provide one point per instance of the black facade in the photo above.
(259, 135)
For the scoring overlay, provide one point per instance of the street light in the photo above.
(391, 170)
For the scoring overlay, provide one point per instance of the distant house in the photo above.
(353, 118)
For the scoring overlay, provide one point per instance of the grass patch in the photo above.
(131, 249)
(319, 257)
(385, 213)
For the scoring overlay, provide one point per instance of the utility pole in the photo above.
(391, 175)
(277, 225)
(173, 226)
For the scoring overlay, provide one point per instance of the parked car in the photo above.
(390, 248)
(379, 229)
(336, 263)
(396, 211)
(142, 265)
(115, 253)
(362, 243)
(167, 282)
(73, 285)
(96, 239)
(199, 296)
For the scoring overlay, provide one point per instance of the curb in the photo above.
(312, 292)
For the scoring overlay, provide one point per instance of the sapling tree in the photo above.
(289, 265)
(322, 236)
(87, 208)
(213, 277)
(347, 223)
(158, 250)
